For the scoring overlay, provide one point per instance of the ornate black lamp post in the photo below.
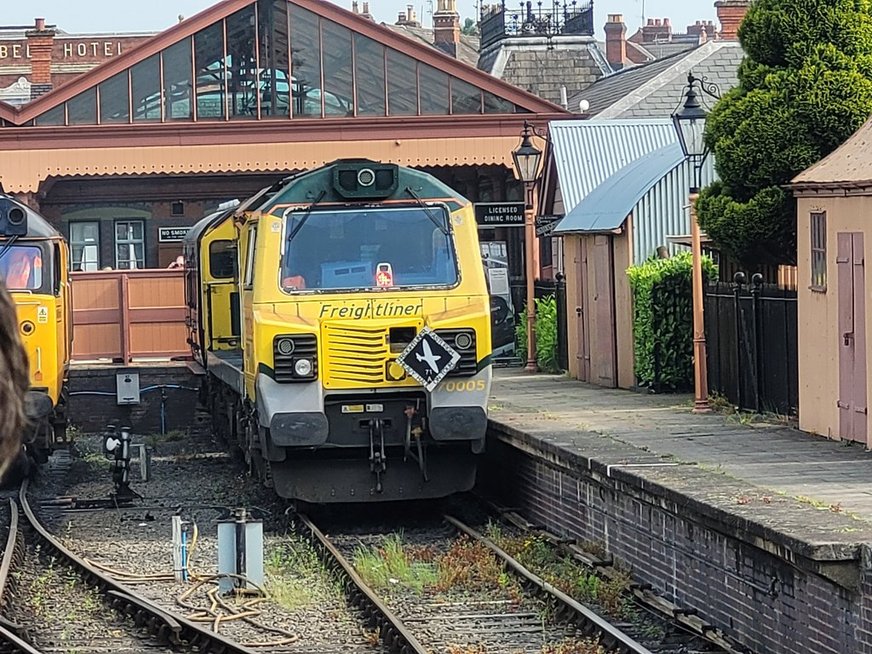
(527, 159)
(689, 122)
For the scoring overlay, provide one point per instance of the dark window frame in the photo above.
(144, 241)
(818, 250)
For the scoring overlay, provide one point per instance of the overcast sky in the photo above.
(83, 16)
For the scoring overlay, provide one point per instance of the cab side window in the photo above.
(249, 257)
(57, 271)
(222, 259)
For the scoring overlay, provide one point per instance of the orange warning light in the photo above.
(384, 279)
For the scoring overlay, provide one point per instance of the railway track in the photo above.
(475, 624)
(153, 628)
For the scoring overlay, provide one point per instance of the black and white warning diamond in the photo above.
(428, 358)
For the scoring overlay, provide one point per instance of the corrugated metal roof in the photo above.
(663, 210)
(588, 152)
(606, 207)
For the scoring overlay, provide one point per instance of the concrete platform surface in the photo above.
(769, 484)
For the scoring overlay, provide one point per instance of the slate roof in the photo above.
(654, 90)
(542, 68)
(467, 49)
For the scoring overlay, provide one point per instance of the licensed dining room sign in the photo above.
(499, 214)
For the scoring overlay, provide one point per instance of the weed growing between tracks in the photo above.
(465, 565)
(563, 572)
(585, 646)
(291, 568)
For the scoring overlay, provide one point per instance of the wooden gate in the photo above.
(130, 314)
(852, 337)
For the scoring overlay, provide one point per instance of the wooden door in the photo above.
(850, 262)
(582, 323)
(605, 363)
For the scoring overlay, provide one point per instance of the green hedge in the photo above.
(546, 334)
(663, 320)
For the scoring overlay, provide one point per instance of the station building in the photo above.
(125, 157)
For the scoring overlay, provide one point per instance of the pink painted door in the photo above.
(581, 310)
(850, 262)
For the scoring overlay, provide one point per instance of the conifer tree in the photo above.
(805, 86)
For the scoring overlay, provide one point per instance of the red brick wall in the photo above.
(754, 597)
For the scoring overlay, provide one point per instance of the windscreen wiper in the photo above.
(305, 216)
(8, 245)
(439, 223)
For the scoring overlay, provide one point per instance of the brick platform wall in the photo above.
(91, 413)
(758, 599)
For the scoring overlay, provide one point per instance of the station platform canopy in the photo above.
(261, 86)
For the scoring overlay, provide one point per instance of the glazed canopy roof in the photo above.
(244, 60)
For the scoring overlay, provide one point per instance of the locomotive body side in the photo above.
(34, 264)
(335, 284)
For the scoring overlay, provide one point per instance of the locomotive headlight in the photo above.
(27, 328)
(463, 341)
(285, 346)
(365, 177)
(303, 367)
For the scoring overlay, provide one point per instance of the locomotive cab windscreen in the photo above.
(378, 248)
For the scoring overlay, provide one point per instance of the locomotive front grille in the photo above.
(355, 355)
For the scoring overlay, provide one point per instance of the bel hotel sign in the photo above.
(70, 50)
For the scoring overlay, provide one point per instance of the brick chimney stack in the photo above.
(40, 42)
(657, 31)
(408, 17)
(730, 15)
(446, 27)
(616, 41)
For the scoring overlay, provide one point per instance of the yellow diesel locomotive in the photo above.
(342, 318)
(34, 265)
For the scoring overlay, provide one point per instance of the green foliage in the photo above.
(546, 334)
(663, 320)
(805, 86)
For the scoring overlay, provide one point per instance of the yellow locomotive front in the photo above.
(365, 335)
(34, 267)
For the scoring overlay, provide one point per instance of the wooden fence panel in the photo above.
(129, 314)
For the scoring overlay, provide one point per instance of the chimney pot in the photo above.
(40, 24)
(651, 21)
(666, 22)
